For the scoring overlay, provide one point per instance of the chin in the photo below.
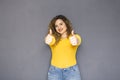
(61, 32)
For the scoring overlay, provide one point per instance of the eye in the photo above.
(61, 24)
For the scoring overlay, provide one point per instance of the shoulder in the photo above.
(77, 35)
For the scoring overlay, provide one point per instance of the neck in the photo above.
(64, 35)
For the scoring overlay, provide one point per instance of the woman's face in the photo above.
(60, 26)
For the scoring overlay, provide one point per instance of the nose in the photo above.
(58, 27)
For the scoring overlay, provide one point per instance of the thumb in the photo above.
(72, 32)
(50, 31)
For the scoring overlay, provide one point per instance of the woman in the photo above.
(63, 43)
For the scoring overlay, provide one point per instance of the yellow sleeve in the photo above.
(79, 39)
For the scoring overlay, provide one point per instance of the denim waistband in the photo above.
(69, 73)
(71, 67)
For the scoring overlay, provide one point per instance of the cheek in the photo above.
(65, 28)
(56, 29)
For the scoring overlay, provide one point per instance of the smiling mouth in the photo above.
(60, 29)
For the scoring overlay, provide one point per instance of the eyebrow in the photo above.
(59, 23)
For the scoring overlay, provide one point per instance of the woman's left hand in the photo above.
(73, 39)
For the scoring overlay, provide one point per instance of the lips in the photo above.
(60, 29)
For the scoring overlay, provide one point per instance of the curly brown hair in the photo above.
(52, 27)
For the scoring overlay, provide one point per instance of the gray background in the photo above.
(24, 24)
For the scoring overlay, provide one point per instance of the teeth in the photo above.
(60, 30)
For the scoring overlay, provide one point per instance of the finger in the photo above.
(72, 32)
(50, 31)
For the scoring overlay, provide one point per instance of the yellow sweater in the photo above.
(64, 54)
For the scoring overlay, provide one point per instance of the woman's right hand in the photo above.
(49, 37)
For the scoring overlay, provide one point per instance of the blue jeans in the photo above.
(70, 73)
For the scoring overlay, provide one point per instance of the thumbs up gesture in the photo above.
(48, 38)
(73, 39)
